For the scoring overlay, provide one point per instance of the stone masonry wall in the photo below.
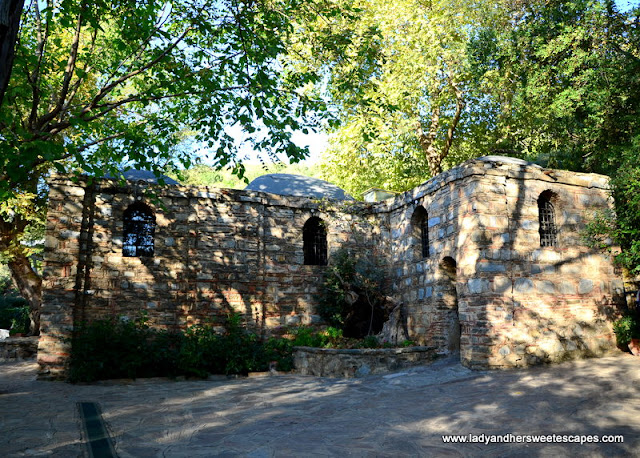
(334, 362)
(487, 289)
(513, 302)
(216, 251)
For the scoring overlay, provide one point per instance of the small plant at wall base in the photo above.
(117, 348)
(352, 298)
(627, 329)
(14, 314)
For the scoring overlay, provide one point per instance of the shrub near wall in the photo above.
(14, 313)
(108, 349)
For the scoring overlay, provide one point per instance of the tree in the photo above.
(10, 11)
(561, 84)
(397, 77)
(98, 86)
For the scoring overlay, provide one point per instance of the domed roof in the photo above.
(285, 184)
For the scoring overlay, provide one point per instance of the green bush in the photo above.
(113, 349)
(352, 297)
(370, 342)
(14, 313)
(278, 351)
(309, 337)
(333, 338)
(627, 328)
(110, 348)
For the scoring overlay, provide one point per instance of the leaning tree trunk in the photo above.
(30, 285)
(436, 155)
(10, 11)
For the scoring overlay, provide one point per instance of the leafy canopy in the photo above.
(102, 83)
(98, 86)
(397, 76)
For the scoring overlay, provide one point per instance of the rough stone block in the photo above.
(585, 286)
(523, 285)
(478, 285)
(545, 287)
(433, 221)
(491, 267)
(566, 287)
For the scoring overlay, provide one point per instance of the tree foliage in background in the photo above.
(621, 228)
(562, 85)
(97, 86)
(551, 81)
(397, 77)
(205, 175)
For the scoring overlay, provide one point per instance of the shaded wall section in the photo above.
(215, 251)
(518, 303)
(483, 274)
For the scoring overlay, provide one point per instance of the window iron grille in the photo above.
(315, 242)
(548, 228)
(138, 231)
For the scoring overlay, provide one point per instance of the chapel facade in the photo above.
(487, 259)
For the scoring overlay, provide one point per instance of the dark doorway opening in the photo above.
(450, 300)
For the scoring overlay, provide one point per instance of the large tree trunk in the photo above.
(30, 285)
(427, 142)
(434, 155)
(10, 12)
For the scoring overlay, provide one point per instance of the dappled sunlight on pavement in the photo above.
(399, 414)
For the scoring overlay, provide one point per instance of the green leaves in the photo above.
(561, 83)
(111, 86)
(396, 77)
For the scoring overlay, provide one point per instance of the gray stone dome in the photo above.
(286, 184)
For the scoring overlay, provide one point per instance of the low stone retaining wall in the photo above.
(332, 362)
(18, 348)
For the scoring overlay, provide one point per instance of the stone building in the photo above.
(487, 259)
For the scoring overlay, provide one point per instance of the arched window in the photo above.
(314, 235)
(420, 230)
(547, 218)
(139, 228)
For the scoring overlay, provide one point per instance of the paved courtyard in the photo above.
(400, 414)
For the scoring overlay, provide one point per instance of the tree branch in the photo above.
(79, 81)
(34, 78)
(113, 105)
(97, 142)
(68, 74)
(108, 88)
(460, 103)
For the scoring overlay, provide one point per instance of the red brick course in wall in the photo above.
(487, 289)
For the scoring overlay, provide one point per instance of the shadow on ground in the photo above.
(400, 414)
